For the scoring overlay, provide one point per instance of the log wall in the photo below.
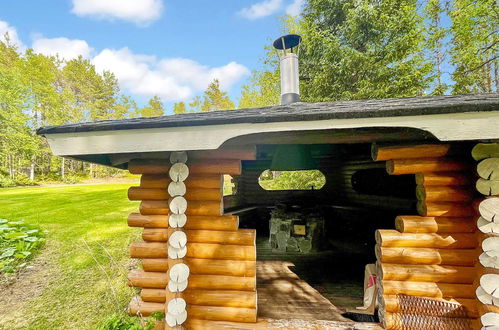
(426, 268)
(197, 265)
(487, 279)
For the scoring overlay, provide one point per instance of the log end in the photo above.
(485, 150)
(390, 166)
(420, 193)
(422, 209)
(420, 179)
(399, 224)
(374, 151)
(378, 254)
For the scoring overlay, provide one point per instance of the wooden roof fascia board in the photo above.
(445, 127)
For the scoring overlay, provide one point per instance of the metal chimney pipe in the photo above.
(287, 49)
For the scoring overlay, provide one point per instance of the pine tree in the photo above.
(474, 46)
(154, 108)
(360, 49)
(179, 108)
(215, 99)
(195, 104)
(435, 43)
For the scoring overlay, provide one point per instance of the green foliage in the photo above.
(474, 46)
(215, 99)
(435, 44)
(179, 108)
(195, 104)
(18, 244)
(38, 90)
(361, 49)
(262, 90)
(126, 322)
(364, 49)
(154, 108)
(5, 182)
(20, 180)
(84, 263)
(292, 180)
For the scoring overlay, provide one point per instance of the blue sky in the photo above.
(170, 48)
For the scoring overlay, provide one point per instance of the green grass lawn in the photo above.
(79, 277)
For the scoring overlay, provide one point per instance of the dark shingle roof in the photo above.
(393, 107)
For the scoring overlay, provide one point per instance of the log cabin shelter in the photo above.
(399, 194)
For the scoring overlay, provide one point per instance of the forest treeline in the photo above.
(351, 49)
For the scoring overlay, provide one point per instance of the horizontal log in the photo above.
(139, 307)
(488, 169)
(442, 225)
(161, 166)
(194, 194)
(142, 279)
(195, 324)
(393, 238)
(239, 237)
(486, 308)
(159, 181)
(485, 150)
(444, 194)
(487, 187)
(413, 166)
(445, 209)
(379, 152)
(205, 266)
(151, 207)
(410, 321)
(197, 222)
(219, 251)
(226, 298)
(428, 289)
(426, 273)
(444, 179)
(214, 313)
(432, 306)
(426, 256)
(194, 250)
(489, 209)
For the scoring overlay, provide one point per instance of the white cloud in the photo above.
(140, 12)
(12, 32)
(173, 79)
(295, 8)
(66, 48)
(261, 9)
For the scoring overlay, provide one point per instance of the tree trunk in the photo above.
(11, 167)
(62, 168)
(32, 169)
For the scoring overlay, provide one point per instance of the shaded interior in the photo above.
(358, 198)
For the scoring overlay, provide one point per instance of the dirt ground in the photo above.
(15, 294)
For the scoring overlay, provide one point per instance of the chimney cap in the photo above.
(287, 41)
